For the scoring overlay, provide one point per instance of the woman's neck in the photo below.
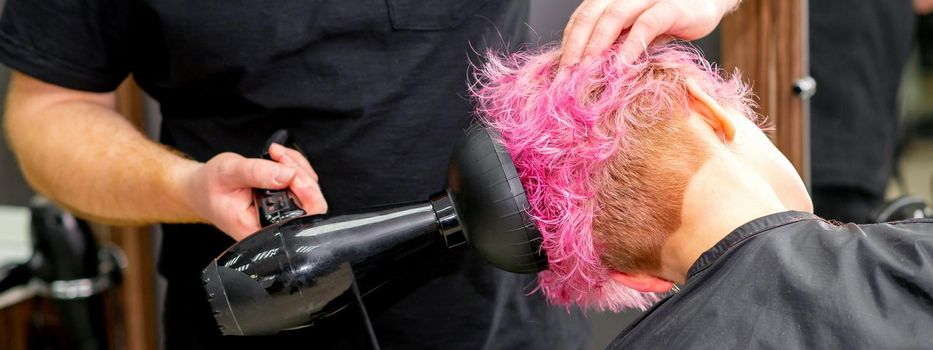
(723, 195)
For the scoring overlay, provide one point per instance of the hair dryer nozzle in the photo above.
(491, 203)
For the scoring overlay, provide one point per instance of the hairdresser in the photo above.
(858, 50)
(372, 93)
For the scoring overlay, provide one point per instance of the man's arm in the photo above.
(75, 148)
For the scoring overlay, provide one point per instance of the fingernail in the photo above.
(276, 148)
(322, 206)
(285, 174)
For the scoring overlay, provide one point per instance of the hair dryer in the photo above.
(297, 268)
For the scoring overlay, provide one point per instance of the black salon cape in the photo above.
(794, 281)
(375, 93)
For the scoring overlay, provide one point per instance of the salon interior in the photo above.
(71, 283)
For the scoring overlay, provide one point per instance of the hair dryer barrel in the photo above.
(294, 272)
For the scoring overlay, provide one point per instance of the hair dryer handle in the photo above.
(276, 205)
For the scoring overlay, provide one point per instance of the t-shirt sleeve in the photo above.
(78, 44)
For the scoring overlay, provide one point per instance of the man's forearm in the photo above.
(75, 149)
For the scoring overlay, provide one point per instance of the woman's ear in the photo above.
(711, 111)
(642, 282)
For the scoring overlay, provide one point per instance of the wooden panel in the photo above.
(14, 323)
(766, 40)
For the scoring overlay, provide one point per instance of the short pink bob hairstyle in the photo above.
(563, 125)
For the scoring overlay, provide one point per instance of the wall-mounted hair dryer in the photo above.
(297, 268)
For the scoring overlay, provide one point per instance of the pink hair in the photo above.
(562, 125)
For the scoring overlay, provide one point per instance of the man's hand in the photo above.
(220, 191)
(923, 7)
(597, 24)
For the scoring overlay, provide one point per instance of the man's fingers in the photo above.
(305, 185)
(291, 157)
(617, 17)
(573, 17)
(577, 35)
(247, 223)
(646, 28)
(309, 194)
(256, 173)
(597, 24)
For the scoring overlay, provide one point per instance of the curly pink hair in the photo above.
(563, 126)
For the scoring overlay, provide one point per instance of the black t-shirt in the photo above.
(794, 281)
(375, 93)
(858, 50)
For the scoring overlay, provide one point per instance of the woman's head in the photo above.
(603, 155)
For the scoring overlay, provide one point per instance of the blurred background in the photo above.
(131, 318)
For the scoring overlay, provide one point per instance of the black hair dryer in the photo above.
(297, 269)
